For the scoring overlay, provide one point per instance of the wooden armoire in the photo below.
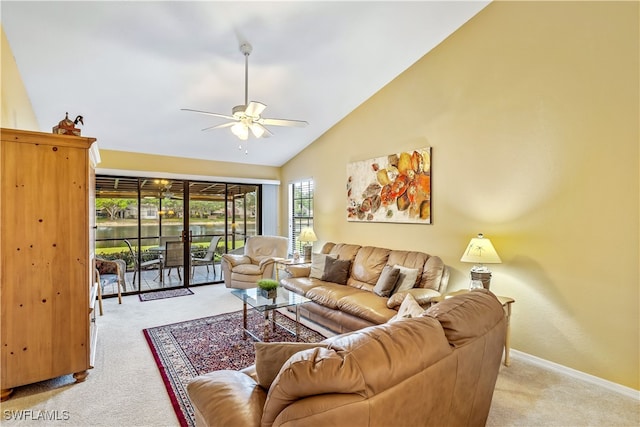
(47, 290)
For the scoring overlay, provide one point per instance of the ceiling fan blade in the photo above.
(224, 116)
(284, 122)
(254, 109)
(223, 125)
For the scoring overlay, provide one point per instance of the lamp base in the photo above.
(306, 253)
(484, 278)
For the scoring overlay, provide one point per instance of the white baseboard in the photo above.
(545, 364)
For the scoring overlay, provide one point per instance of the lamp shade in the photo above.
(307, 235)
(480, 251)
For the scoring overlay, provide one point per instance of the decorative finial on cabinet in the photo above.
(68, 127)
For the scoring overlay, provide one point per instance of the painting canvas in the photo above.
(391, 188)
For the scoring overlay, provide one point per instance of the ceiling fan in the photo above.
(247, 117)
(167, 194)
(164, 191)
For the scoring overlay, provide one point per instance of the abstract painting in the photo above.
(391, 188)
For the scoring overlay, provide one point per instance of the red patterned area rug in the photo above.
(187, 349)
(169, 293)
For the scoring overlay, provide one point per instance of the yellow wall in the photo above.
(17, 112)
(532, 112)
(112, 159)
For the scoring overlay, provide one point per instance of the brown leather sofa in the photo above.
(354, 305)
(438, 369)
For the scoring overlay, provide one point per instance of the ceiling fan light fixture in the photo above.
(254, 109)
(240, 130)
(257, 130)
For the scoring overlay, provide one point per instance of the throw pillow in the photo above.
(317, 265)
(106, 267)
(336, 270)
(408, 309)
(387, 281)
(270, 356)
(407, 278)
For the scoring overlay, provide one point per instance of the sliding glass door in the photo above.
(117, 225)
(206, 230)
(172, 232)
(162, 242)
(242, 208)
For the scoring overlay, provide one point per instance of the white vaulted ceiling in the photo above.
(129, 67)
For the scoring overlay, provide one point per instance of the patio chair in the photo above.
(110, 272)
(173, 257)
(164, 239)
(209, 257)
(144, 265)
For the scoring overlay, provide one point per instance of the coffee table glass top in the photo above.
(285, 298)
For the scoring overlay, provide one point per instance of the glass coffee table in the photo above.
(285, 298)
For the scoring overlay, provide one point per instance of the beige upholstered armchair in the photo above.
(260, 252)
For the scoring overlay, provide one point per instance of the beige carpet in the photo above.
(125, 388)
(527, 395)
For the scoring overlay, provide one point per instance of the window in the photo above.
(301, 208)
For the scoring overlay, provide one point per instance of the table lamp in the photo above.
(307, 236)
(480, 251)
